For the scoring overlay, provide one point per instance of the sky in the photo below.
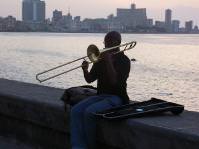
(182, 9)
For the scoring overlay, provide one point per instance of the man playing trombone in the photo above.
(111, 73)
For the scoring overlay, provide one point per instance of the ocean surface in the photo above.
(167, 66)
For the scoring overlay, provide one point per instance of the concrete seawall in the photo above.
(35, 116)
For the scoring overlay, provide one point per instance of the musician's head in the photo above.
(112, 39)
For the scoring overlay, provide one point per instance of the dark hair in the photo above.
(112, 38)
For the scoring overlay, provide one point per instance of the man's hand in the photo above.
(85, 66)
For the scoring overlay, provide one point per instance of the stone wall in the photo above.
(36, 116)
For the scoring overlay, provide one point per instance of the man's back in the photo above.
(122, 66)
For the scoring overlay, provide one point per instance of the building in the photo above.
(39, 11)
(95, 25)
(159, 24)
(8, 23)
(76, 27)
(168, 18)
(1, 24)
(195, 29)
(175, 26)
(113, 24)
(27, 10)
(77, 19)
(149, 23)
(188, 26)
(67, 21)
(33, 11)
(131, 18)
(57, 16)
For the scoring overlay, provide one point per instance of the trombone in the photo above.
(93, 54)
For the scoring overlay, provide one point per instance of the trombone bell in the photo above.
(93, 53)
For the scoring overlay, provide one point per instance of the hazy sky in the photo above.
(182, 9)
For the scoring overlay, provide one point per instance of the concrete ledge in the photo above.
(34, 103)
(160, 132)
(35, 115)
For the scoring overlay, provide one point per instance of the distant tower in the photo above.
(27, 10)
(133, 6)
(175, 26)
(39, 11)
(168, 19)
(33, 11)
(189, 26)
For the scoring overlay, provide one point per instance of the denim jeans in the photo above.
(83, 122)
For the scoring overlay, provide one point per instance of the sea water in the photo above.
(167, 65)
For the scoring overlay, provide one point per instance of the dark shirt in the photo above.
(122, 66)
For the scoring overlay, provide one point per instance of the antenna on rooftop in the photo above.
(69, 9)
(68, 5)
(133, 5)
(132, 1)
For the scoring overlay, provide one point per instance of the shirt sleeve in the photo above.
(94, 72)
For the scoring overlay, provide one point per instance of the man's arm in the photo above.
(89, 76)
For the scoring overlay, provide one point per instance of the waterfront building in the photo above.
(57, 16)
(159, 24)
(77, 19)
(33, 11)
(8, 23)
(182, 30)
(27, 10)
(95, 25)
(1, 24)
(40, 11)
(113, 24)
(131, 18)
(149, 23)
(67, 21)
(175, 26)
(188, 26)
(168, 18)
(76, 23)
(196, 30)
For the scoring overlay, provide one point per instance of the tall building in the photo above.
(132, 17)
(188, 26)
(39, 9)
(175, 26)
(33, 11)
(27, 10)
(168, 18)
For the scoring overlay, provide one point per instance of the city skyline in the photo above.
(130, 19)
(180, 9)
